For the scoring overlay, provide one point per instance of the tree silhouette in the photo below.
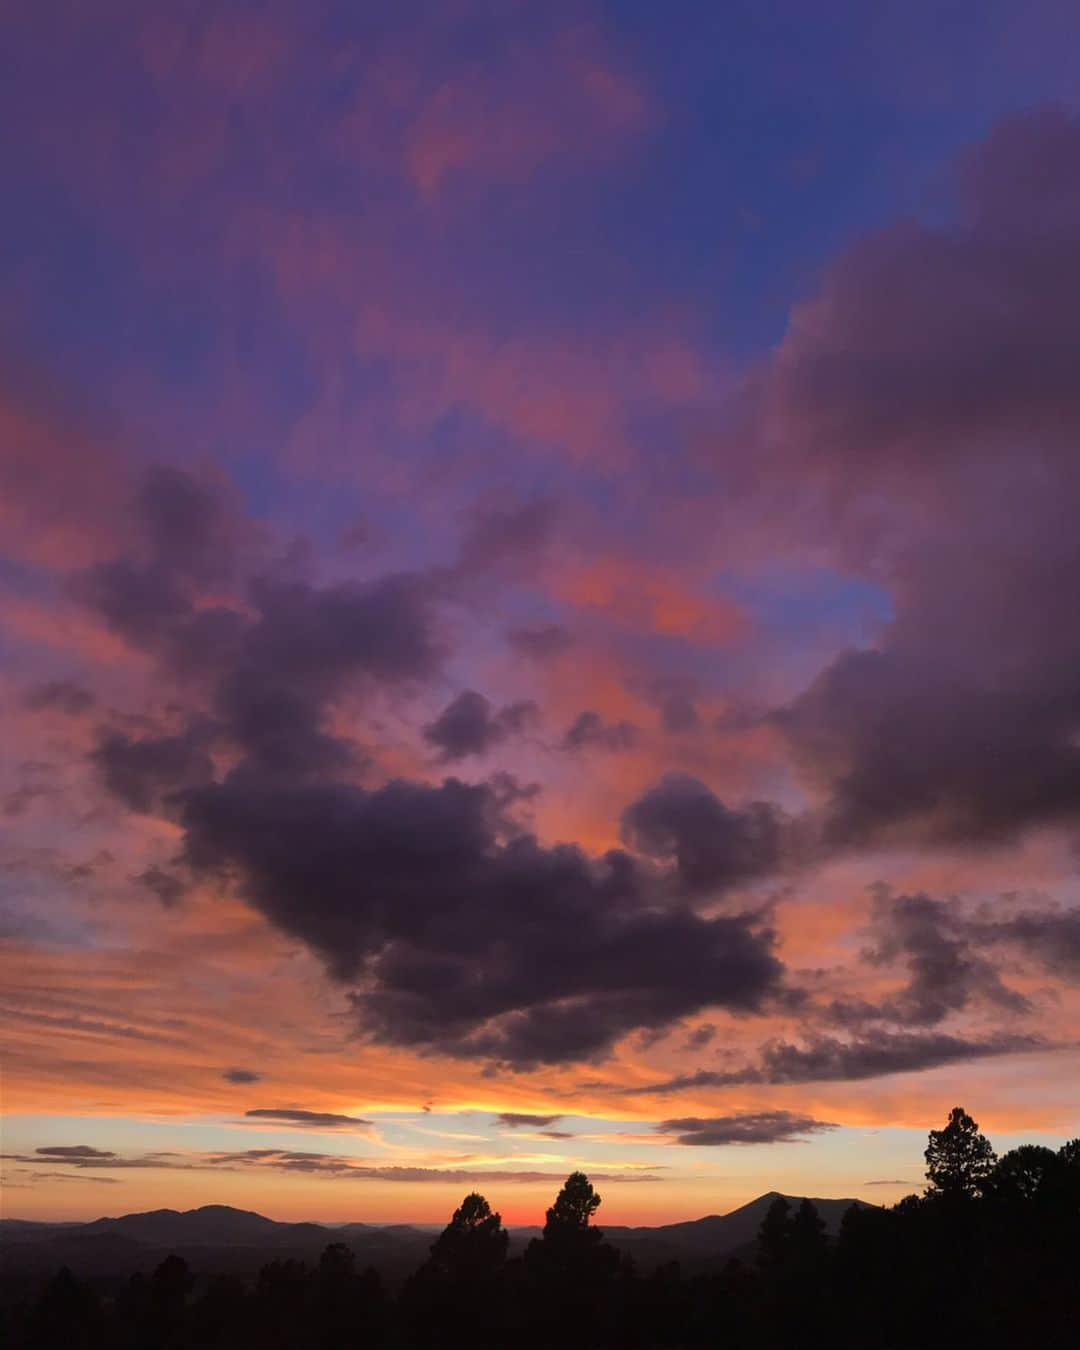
(774, 1235)
(808, 1241)
(574, 1206)
(67, 1316)
(571, 1269)
(1022, 1173)
(473, 1244)
(959, 1160)
(996, 1270)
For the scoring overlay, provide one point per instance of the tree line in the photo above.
(988, 1256)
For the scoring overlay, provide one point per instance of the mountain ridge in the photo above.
(226, 1238)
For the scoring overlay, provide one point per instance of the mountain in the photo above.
(220, 1238)
(214, 1225)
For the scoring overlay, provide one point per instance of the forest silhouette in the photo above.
(986, 1256)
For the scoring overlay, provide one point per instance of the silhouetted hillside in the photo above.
(221, 1238)
(985, 1258)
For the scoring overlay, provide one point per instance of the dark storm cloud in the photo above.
(241, 1076)
(141, 772)
(463, 935)
(457, 932)
(590, 731)
(278, 729)
(924, 407)
(270, 661)
(904, 749)
(308, 1119)
(711, 845)
(303, 637)
(314, 638)
(470, 725)
(169, 889)
(64, 695)
(516, 1119)
(763, 1127)
(541, 642)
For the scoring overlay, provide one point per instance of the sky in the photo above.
(538, 582)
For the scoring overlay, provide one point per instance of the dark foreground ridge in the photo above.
(987, 1256)
(221, 1238)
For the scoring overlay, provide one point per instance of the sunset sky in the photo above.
(538, 599)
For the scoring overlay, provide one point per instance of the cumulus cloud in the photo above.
(946, 973)
(712, 846)
(590, 731)
(470, 725)
(463, 934)
(763, 1127)
(143, 771)
(923, 405)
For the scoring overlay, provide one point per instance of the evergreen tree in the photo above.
(774, 1235)
(474, 1242)
(959, 1160)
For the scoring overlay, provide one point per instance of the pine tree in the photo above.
(959, 1160)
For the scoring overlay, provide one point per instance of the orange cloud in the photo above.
(649, 598)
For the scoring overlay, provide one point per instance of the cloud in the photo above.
(469, 725)
(64, 695)
(1050, 936)
(315, 1120)
(542, 642)
(140, 773)
(515, 1119)
(169, 889)
(185, 541)
(922, 409)
(764, 1127)
(825, 1059)
(464, 934)
(70, 1176)
(74, 1151)
(330, 1165)
(501, 537)
(241, 1076)
(946, 974)
(590, 731)
(712, 846)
